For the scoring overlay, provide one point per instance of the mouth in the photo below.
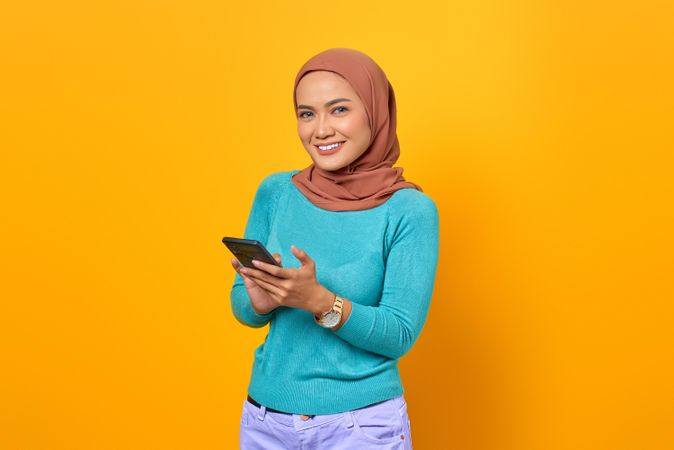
(330, 148)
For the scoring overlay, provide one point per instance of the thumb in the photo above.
(277, 257)
(301, 255)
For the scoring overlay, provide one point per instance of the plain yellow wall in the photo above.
(133, 135)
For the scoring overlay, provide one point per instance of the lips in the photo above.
(332, 150)
(328, 143)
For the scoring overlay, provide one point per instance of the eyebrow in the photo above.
(331, 102)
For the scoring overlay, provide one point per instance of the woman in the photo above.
(360, 246)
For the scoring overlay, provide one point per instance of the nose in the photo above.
(324, 128)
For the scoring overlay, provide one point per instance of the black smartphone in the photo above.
(246, 250)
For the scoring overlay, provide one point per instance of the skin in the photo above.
(270, 286)
(342, 121)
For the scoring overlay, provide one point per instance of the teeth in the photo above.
(329, 147)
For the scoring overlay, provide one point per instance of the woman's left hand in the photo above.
(294, 288)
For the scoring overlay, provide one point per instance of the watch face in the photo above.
(331, 319)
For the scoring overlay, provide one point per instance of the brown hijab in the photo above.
(371, 179)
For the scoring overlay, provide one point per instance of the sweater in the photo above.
(382, 259)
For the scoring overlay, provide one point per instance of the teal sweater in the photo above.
(382, 259)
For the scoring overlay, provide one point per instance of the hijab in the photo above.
(370, 179)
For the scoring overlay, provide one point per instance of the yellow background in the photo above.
(133, 135)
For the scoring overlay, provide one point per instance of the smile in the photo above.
(329, 149)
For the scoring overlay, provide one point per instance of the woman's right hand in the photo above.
(262, 302)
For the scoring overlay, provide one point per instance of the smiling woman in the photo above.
(346, 305)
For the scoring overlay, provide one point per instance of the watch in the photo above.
(332, 317)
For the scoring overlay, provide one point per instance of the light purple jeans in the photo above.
(384, 425)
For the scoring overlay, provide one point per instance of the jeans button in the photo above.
(304, 417)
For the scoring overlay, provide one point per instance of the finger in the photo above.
(237, 267)
(270, 288)
(277, 257)
(301, 255)
(278, 272)
(261, 275)
(248, 282)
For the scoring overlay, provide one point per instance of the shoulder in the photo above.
(410, 204)
(275, 180)
(269, 189)
(272, 185)
(413, 220)
(411, 215)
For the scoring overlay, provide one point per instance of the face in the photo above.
(330, 111)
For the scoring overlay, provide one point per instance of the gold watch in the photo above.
(332, 317)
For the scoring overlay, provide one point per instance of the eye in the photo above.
(302, 114)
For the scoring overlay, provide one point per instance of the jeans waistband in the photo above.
(252, 400)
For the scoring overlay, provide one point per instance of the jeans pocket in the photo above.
(406, 421)
(245, 414)
(381, 423)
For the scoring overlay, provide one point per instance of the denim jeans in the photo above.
(383, 425)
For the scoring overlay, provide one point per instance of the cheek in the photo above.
(360, 131)
(357, 127)
(304, 132)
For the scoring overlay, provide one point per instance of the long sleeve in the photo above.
(257, 228)
(392, 327)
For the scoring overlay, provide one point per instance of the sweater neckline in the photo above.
(310, 204)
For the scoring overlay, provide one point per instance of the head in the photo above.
(329, 111)
(342, 95)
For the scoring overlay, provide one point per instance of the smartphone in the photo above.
(246, 250)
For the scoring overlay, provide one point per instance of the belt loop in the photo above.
(348, 419)
(261, 412)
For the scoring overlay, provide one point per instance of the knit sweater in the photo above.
(382, 259)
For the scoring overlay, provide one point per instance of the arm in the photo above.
(392, 327)
(257, 228)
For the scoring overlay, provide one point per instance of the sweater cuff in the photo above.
(249, 316)
(256, 318)
(358, 325)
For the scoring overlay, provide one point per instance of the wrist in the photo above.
(323, 302)
(346, 312)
